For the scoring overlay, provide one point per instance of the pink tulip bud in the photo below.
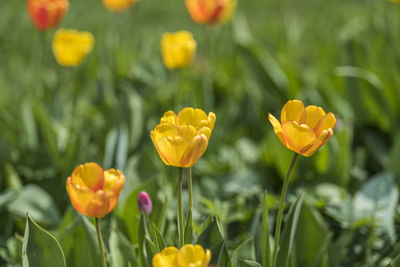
(144, 203)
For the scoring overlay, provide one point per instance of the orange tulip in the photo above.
(118, 5)
(303, 129)
(210, 11)
(46, 14)
(94, 192)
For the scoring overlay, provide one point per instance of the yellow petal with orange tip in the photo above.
(293, 110)
(166, 258)
(80, 196)
(90, 175)
(211, 120)
(277, 128)
(297, 136)
(99, 204)
(317, 143)
(173, 149)
(194, 151)
(206, 131)
(113, 180)
(327, 122)
(313, 115)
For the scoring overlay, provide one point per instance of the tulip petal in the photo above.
(166, 258)
(317, 143)
(297, 136)
(99, 204)
(169, 117)
(313, 115)
(113, 180)
(89, 175)
(194, 151)
(211, 120)
(173, 149)
(187, 132)
(155, 143)
(327, 122)
(293, 111)
(277, 128)
(206, 131)
(192, 255)
(165, 129)
(80, 196)
(191, 116)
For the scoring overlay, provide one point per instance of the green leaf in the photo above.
(211, 236)
(120, 249)
(80, 244)
(40, 248)
(265, 240)
(188, 229)
(311, 237)
(223, 256)
(159, 238)
(38, 203)
(376, 202)
(289, 232)
(248, 263)
(244, 250)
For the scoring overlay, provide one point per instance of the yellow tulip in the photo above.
(187, 256)
(70, 47)
(182, 139)
(178, 49)
(118, 5)
(210, 11)
(303, 129)
(94, 192)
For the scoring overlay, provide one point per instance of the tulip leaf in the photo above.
(224, 260)
(40, 248)
(80, 244)
(286, 241)
(37, 202)
(376, 202)
(121, 250)
(248, 263)
(265, 244)
(159, 238)
(211, 236)
(188, 229)
(244, 250)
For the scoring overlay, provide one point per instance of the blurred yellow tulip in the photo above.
(303, 129)
(118, 5)
(70, 47)
(94, 192)
(187, 256)
(211, 11)
(178, 49)
(182, 139)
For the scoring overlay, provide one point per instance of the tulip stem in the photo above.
(190, 189)
(280, 211)
(103, 258)
(180, 211)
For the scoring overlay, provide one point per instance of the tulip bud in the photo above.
(144, 203)
(210, 11)
(46, 14)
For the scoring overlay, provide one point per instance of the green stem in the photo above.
(190, 189)
(180, 211)
(103, 258)
(280, 211)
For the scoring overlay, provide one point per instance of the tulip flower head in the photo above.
(210, 11)
(186, 256)
(93, 191)
(182, 139)
(178, 49)
(144, 203)
(118, 5)
(70, 47)
(46, 14)
(303, 129)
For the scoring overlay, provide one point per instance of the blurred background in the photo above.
(341, 55)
